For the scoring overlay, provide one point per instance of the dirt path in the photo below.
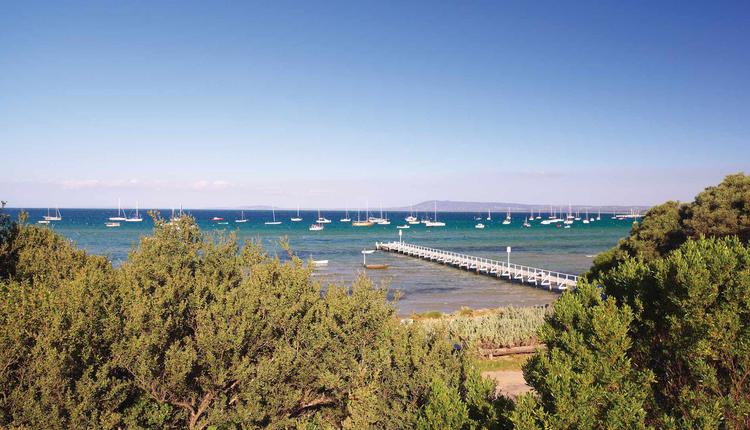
(509, 382)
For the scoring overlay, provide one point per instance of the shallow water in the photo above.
(423, 285)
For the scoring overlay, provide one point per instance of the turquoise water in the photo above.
(423, 285)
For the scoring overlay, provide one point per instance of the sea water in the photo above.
(421, 285)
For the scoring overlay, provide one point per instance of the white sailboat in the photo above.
(507, 219)
(322, 219)
(569, 219)
(586, 220)
(435, 222)
(274, 222)
(526, 223)
(411, 219)
(599, 215)
(56, 217)
(346, 217)
(296, 218)
(489, 215)
(120, 214)
(384, 221)
(137, 217)
(242, 218)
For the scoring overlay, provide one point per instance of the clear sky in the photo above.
(334, 104)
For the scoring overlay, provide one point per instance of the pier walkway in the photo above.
(554, 281)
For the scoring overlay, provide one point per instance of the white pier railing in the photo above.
(550, 279)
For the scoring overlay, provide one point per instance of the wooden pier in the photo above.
(549, 279)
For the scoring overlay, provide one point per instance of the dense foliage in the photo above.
(585, 378)
(194, 332)
(671, 306)
(719, 211)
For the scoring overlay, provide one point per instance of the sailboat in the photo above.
(274, 222)
(56, 217)
(434, 223)
(242, 218)
(384, 221)
(586, 220)
(507, 219)
(479, 226)
(526, 223)
(411, 219)
(489, 215)
(322, 219)
(137, 217)
(569, 219)
(120, 214)
(360, 223)
(346, 217)
(316, 227)
(599, 215)
(578, 215)
(296, 218)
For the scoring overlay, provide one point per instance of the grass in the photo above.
(508, 362)
(488, 328)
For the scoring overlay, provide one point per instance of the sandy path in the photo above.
(509, 382)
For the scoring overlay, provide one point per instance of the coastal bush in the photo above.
(681, 281)
(718, 211)
(585, 378)
(693, 329)
(194, 331)
(496, 328)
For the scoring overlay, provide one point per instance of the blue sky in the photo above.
(339, 103)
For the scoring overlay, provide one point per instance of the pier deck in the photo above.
(554, 281)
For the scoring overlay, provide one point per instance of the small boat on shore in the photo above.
(376, 266)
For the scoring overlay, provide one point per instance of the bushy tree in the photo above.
(194, 332)
(718, 211)
(585, 378)
(693, 327)
(58, 319)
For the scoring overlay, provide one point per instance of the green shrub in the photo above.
(498, 328)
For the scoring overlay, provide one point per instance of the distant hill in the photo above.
(458, 206)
